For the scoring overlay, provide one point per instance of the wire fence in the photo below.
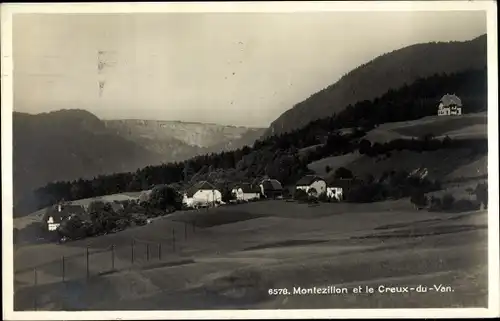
(93, 262)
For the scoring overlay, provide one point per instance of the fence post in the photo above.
(113, 257)
(87, 252)
(63, 269)
(36, 290)
(173, 239)
(132, 250)
(159, 251)
(147, 251)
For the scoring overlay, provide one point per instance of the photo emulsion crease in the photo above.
(250, 161)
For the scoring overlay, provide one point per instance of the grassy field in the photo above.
(272, 244)
(468, 125)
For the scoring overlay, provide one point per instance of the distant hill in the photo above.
(67, 145)
(181, 140)
(389, 71)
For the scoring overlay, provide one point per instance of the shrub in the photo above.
(481, 193)
(163, 196)
(418, 199)
(323, 197)
(447, 202)
(465, 205)
(366, 193)
(300, 195)
(328, 169)
(312, 193)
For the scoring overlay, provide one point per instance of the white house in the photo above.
(311, 183)
(450, 105)
(334, 193)
(245, 192)
(57, 214)
(202, 194)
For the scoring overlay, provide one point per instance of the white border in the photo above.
(7, 10)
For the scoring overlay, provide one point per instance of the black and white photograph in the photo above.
(180, 160)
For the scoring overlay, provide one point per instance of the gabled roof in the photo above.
(450, 100)
(308, 180)
(201, 185)
(272, 185)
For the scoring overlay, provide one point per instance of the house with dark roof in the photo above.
(202, 194)
(245, 192)
(55, 215)
(450, 105)
(271, 188)
(311, 184)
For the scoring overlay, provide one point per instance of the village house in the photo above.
(271, 188)
(311, 184)
(202, 194)
(57, 214)
(450, 105)
(245, 192)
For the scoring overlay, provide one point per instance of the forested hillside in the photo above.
(279, 156)
(389, 71)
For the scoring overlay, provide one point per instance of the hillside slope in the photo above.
(68, 145)
(389, 71)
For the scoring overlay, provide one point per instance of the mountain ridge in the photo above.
(391, 70)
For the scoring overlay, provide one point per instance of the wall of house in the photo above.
(242, 196)
(250, 196)
(319, 186)
(204, 197)
(334, 192)
(446, 111)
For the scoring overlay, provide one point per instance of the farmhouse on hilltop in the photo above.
(245, 192)
(202, 194)
(450, 105)
(311, 184)
(271, 188)
(57, 214)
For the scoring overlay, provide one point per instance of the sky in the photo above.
(228, 68)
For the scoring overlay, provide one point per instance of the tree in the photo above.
(447, 202)
(164, 196)
(300, 195)
(364, 146)
(418, 199)
(343, 172)
(481, 193)
(328, 169)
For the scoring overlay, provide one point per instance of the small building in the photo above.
(57, 214)
(338, 187)
(271, 188)
(202, 194)
(311, 183)
(245, 192)
(335, 192)
(449, 105)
